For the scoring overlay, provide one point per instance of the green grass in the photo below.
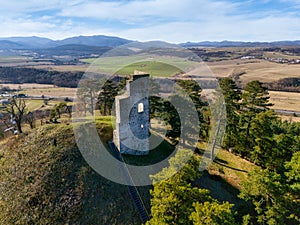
(156, 69)
(13, 59)
(33, 105)
(50, 92)
(231, 168)
(105, 126)
(43, 182)
(38, 104)
(103, 119)
(161, 152)
(161, 66)
(46, 183)
(107, 120)
(111, 64)
(223, 179)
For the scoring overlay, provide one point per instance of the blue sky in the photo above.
(167, 20)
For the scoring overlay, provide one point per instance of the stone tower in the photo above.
(132, 116)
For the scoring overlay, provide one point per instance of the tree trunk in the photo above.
(19, 127)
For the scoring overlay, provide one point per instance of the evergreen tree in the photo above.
(275, 197)
(208, 213)
(232, 96)
(255, 99)
(193, 90)
(106, 97)
(108, 93)
(262, 134)
(176, 201)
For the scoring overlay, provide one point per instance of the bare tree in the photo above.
(4, 119)
(16, 108)
(68, 109)
(30, 119)
(88, 92)
(60, 108)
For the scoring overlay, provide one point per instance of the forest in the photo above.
(257, 134)
(253, 133)
(17, 75)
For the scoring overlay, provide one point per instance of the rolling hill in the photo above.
(240, 44)
(7, 45)
(110, 41)
(44, 179)
(45, 43)
(99, 40)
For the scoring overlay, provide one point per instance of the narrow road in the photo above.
(287, 112)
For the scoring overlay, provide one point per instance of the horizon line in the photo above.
(158, 40)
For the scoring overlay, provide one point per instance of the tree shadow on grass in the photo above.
(223, 191)
(224, 163)
(218, 160)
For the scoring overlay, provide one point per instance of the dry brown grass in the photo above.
(255, 70)
(51, 92)
(223, 68)
(285, 100)
(269, 72)
(280, 55)
(290, 118)
(27, 86)
(232, 168)
(14, 59)
(63, 68)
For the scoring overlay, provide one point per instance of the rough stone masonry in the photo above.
(132, 116)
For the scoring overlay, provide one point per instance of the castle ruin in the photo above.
(132, 116)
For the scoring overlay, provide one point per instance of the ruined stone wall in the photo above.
(132, 117)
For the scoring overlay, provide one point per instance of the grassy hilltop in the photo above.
(44, 179)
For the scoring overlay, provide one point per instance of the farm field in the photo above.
(290, 118)
(38, 104)
(55, 92)
(27, 86)
(271, 72)
(155, 69)
(254, 70)
(162, 67)
(23, 61)
(34, 104)
(289, 101)
(47, 64)
(62, 68)
(14, 59)
(279, 55)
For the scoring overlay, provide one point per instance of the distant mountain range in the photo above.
(29, 43)
(241, 44)
(25, 43)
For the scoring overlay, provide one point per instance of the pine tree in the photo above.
(255, 99)
(232, 96)
(176, 201)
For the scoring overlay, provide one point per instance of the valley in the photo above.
(44, 175)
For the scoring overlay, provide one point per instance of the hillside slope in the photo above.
(45, 180)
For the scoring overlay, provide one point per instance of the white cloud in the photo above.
(14, 7)
(54, 28)
(22, 27)
(169, 20)
(237, 28)
(142, 10)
